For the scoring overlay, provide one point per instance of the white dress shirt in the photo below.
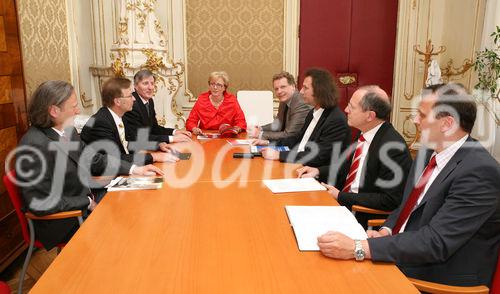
(316, 115)
(369, 135)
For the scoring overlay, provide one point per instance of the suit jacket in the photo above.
(101, 126)
(138, 118)
(52, 179)
(294, 121)
(453, 235)
(375, 168)
(331, 129)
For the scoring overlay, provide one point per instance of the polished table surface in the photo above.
(220, 234)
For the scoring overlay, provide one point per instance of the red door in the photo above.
(350, 38)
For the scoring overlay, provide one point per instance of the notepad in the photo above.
(135, 183)
(293, 185)
(310, 222)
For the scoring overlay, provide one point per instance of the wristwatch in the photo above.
(359, 253)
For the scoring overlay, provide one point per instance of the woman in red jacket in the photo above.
(216, 107)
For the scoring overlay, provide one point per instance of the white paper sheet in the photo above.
(293, 185)
(238, 142)
(310, 222)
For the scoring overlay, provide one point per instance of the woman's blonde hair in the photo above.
(219, 74)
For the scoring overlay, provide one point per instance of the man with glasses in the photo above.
(106, 124)
(143, 114)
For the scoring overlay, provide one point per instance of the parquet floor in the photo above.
(40, 261)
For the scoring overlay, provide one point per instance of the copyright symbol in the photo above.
(29, 154)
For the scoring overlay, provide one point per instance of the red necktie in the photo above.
(354, 164)
(415, 194)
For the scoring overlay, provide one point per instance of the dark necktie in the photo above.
(415, 193)
(354, 164)
(147, 107)
(285, 112)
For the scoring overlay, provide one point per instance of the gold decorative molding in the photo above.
(119, 63)
(154, 63)
(142, 9)
(160, 32)
(86, 102)
(408, 96)
(449, 70)
(123, 31)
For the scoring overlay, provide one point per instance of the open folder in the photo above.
(135, 183)
(310, 222)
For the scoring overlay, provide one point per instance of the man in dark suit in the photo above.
(292, 110)
(325, 125)
(106, 125)
(447, 229)
(53, 168)
(376, 172)
(143, 114)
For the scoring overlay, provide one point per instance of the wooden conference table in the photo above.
(207, 233)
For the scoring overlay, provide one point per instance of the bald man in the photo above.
(378, 163)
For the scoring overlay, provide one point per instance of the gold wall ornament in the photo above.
(86, 102)
(142, 10)
(162, 121)
(159, 31)
(123, 31)
(155, 64)
(119, 63)
(347, 80)
(408, 96)
(449, 70)
(427, 54)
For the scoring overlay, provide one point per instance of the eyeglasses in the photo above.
(127, 97)
(216, 85)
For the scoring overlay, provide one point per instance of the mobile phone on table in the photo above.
(242, 155)
(184, 156)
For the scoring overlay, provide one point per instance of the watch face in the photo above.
(360, 255)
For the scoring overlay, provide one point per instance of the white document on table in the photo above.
(239, 142)
(310, 222)
(293, 185)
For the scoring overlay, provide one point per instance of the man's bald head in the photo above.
(375, 99)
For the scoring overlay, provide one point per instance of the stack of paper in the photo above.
(293, 185)
(310, 222)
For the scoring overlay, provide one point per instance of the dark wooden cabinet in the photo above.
(12, 125)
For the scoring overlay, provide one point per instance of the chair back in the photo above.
(495, 284)
(15, 198)
(4, 288)
(257, 107)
